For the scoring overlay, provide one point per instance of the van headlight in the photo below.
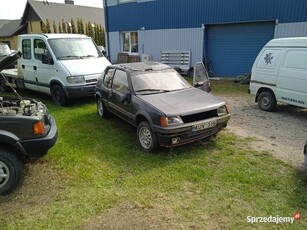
(75, 79)
(222, 110)
(171, 120)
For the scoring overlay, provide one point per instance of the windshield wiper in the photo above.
(69, 57)
(153, 90)
(88, 56)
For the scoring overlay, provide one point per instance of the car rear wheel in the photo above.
(266, 101)
(101, 109)
(11, 171)
(147, 138)
(58, 95)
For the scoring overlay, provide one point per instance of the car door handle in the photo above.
(35, 67)
(23, 66)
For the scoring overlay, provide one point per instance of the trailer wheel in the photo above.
(58, 95)
(3, 86)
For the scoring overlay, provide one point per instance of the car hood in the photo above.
(85, 66)
(183, 102)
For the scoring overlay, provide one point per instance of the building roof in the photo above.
(58, 11)
(9, 27)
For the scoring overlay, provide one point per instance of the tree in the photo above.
(64, 26)
(73, 27)
(60, 28)
(48, 27)
(55, 30)
(43, 27)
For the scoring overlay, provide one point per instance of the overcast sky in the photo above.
(13, 9)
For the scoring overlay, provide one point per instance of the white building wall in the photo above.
(298, 29)
(154, 41)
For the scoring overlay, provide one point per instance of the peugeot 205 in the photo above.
(166, 110)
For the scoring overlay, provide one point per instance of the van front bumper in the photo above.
(79, 91)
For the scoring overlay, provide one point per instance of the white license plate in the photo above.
(205, 125)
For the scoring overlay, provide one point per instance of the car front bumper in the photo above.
(38, 147)
(183, 134)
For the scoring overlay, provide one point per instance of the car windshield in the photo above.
(158, 82)
(74, 48)
(4, 50)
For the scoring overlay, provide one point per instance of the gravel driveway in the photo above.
(282, 132)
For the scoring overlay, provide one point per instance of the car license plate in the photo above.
(205, 125)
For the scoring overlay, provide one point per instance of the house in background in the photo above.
(36, 14)
(228, 34)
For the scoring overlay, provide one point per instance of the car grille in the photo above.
(199, 116)
(91, 81)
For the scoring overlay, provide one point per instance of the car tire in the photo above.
(3, 86)
(11, 171)
(101, 109)
(146, 137)
(191, 72)
(58, 95)
(266, 101)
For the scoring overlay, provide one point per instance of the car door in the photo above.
(119, 90)
(201, 78)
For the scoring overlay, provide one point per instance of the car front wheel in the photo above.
(11, 171)
(147, 138)
(266, 101)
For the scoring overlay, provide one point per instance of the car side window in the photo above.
(107, 81)
(120, 81)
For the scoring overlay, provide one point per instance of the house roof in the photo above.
(9, 27)
(58, 11)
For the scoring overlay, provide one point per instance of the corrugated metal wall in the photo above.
(170, 14)
(298, 29)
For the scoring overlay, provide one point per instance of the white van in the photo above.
(279, 73)
(62, 65)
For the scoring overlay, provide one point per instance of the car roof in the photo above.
(144, 66)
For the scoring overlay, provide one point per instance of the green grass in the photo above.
(96, 166)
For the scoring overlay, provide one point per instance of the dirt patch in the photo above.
(282, 132)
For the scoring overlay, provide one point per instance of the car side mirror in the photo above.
(46, 59)
(126, 97)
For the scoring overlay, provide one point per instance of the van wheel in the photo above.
(11, 171)
(266, 101)
(58, 95)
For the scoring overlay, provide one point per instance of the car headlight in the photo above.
(75, 79)
(172, 120)
(223, 110)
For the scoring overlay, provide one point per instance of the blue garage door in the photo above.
(232, 48)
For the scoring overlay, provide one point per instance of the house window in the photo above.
(130, 42)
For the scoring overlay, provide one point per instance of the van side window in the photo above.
(26, 49)
(296, 59)
(268, 58)
(39, 49)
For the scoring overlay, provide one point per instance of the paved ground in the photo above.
(282, 132)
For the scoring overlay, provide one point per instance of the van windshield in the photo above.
(74, 48)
